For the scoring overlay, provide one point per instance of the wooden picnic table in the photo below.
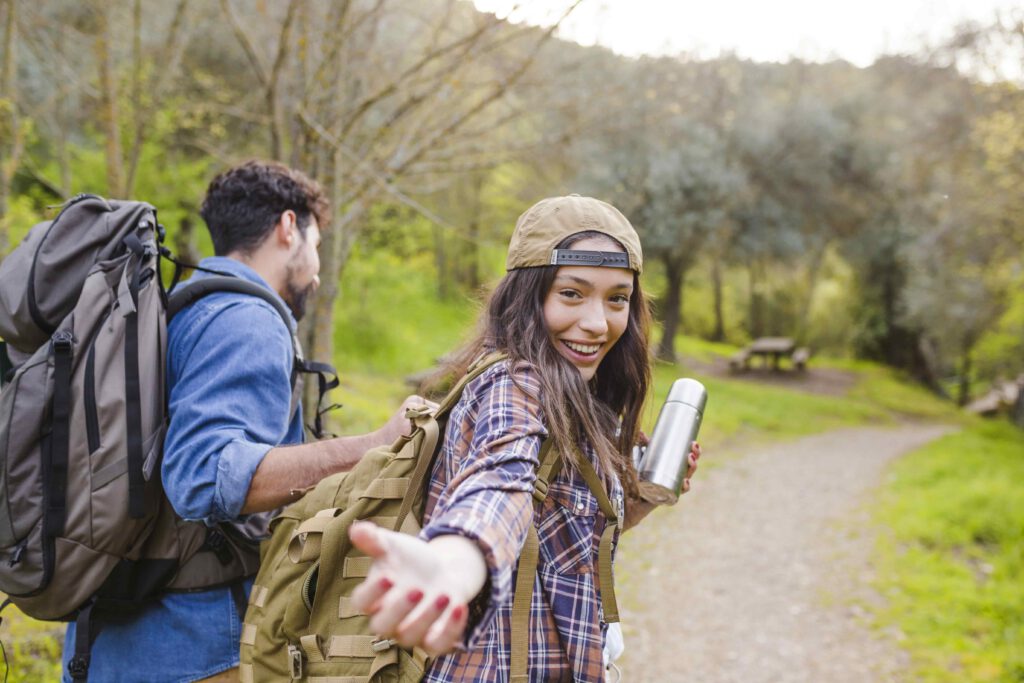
(772, 347)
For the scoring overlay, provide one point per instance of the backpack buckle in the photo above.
(540, 490)
(418, 411)
(296, 661)
(78, 667)
(382, 645)
(63, 339)
(217, 544)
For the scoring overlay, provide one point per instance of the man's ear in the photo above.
(284, 230)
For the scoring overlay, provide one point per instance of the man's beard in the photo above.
(297, 297)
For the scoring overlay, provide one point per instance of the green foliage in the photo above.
(22, 214)
(388, 317)
(389, 323)
(33, 648)
(952, 566)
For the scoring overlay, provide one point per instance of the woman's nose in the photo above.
(593, 320)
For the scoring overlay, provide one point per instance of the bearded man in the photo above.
(234, 441)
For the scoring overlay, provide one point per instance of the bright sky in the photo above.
(764, 30)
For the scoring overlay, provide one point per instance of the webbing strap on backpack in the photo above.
(527, 570)
(550, 464)
(432, 433)
(604, 553)
(56, 466)
(133, 386)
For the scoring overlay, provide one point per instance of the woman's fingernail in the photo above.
(385, 584)
(442, 602)
(458, 612)
(414, 596)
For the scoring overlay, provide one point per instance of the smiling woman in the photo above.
(535, 470)
(587, 308)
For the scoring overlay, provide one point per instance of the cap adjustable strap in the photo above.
(575, 257)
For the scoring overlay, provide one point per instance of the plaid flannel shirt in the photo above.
(482, 489)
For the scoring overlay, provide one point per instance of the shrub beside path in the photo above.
(761, 574)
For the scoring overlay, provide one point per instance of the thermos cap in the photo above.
(688, 391)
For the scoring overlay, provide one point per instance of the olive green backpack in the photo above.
(301, 625)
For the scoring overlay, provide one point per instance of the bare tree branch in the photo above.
(169, 56)
(277, 124)
(247, 46)
(425, 60)
(110, 112)
(11, 140)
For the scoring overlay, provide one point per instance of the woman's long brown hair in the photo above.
(604, 412)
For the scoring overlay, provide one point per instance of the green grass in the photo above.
(891, 389)
(952, 562)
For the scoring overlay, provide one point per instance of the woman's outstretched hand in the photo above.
(418, 592)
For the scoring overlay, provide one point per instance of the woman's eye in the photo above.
(620, 299)
(570, 293)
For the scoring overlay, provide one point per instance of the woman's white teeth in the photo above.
(583, 348)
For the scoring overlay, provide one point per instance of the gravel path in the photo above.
(759, 575)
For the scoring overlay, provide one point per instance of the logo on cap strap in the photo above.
(574, 257)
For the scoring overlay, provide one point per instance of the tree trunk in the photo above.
(964, 384)
(137, 134)
(9, 124)
(441, 263)
(472, 246)
(1018, 407)
(317, 331)
(755, 322)
(675, 274)
(63, 126)
(185, 243)
(813, 271)
(109, 114)
(718, 334)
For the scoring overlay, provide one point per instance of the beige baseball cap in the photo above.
(545, 224)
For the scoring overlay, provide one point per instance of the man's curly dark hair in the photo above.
(243, 204)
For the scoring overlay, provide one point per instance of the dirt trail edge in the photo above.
(760, 573)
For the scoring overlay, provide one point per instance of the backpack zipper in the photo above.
(308, 586)
(92, 423)
(296, 659)
(18, 553)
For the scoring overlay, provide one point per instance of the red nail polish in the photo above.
(458, 612)
(442, 602)
(385, 584)
(415, 595)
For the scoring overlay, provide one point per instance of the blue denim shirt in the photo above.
(229, 361)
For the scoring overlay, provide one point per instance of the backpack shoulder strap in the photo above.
(194, 290)
(327, 376)
(430, 421)
(477, 368)
(526, 572)
(604, 554)
(550, 464)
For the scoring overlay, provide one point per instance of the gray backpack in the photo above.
(85, 527)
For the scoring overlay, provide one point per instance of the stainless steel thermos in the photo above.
(663, 463)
